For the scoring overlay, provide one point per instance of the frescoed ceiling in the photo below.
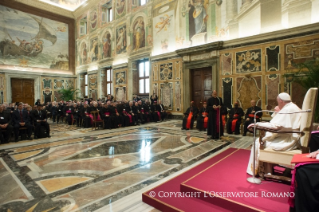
(66, 4)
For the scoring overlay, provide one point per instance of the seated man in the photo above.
(148, 111)
(283, 119)
(131, 112)
(161, 109)
(76, 114)
(68, 111)
(40, 119)
(85, 114)
(21, 119)
(306, 186)
(5, 125)
(106, 114)
(234, 120)
(190, 114)
(314, 140)
(249, 117)
(141, 112)
(202, 118)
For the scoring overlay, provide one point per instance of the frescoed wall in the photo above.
(167, 79)
(50, 85)
(265, 70)
(28, 40)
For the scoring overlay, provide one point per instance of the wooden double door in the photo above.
(201, 85)
(22, 90)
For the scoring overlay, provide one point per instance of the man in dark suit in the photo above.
(250, 115)
(40, 119)
(5, 124)
(234, 121)
(21, 118)
(161, 109)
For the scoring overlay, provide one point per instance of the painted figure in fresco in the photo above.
(139, 34)
(197, 16)
(120, 6)
(164, 23)
(94, 50)
(106, 45)
(83, 54)
(94, 20)
(121, 41)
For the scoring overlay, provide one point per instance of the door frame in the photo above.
(187, 66)
(37, 83)
(191, 85)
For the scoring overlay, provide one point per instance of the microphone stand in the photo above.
(253, 179)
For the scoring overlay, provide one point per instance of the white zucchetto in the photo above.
(284, 97)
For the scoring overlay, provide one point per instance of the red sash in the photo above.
(91, 117)
(159, 115)
(252, 116)
(107, 113)
(189, 120)
(233, 123)
(129, 115)
(142, 111)
(205, 119)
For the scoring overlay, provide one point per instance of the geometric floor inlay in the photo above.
(85, 169)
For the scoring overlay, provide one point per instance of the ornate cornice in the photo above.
(200, 49)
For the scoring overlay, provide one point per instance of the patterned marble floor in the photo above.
(100, 170)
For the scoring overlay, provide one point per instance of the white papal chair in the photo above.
(283, 158)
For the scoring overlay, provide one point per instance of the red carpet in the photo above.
(225, 172)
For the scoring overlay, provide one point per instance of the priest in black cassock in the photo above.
(249, 117)
(234, 121)
(190, 114)
(202, 119)
(305, 186)
(214, 105)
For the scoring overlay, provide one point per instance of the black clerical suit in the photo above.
(85, 112)
(203, 113)
(214, 126)
(19, 117)
(141, 113)
(54, 112)
(68, 111)
(132, 110)
(77, 115)
(250, 115)
(5, 133)
(148, 112)
(161, 109)
(188, 121)
(107, 114)
(122, 117)
(60, 112)
(234, 121)
(39, 116)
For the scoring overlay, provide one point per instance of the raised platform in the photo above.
(205, 187)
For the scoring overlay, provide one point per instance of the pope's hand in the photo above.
(313, 154)
(277, 109)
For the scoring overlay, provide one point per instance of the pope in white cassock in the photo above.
(280, 121)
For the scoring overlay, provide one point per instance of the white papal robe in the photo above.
(278, 141)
